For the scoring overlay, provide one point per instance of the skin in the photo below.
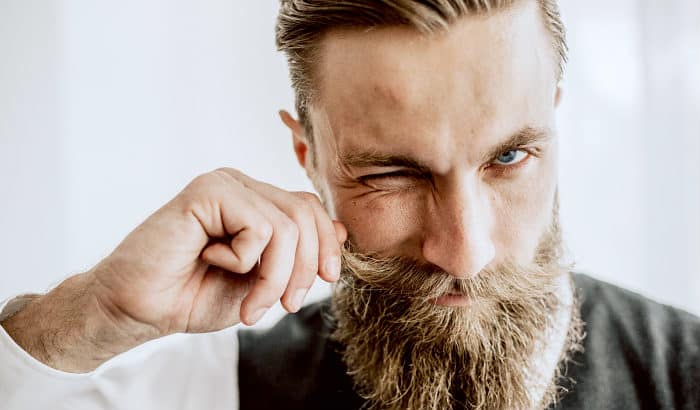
(447, 102)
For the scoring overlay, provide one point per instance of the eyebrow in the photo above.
(527, 136)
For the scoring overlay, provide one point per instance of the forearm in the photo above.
(69, 329)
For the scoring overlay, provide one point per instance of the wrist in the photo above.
(69, 329)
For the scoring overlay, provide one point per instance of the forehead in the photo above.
(485, 77)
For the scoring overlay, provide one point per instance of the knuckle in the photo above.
(208, 184)
(227, 171)
(262, 231)
(199, 194)
(330, 255)
(207, 181)
(247, 262)
(208, 255)
(227, 176)
(308, 197)
(203, 180)
(287, 228)
(329, 249)
(301, 213)
(272, 284)
(309, 267)
(190, 204)
(313, 201)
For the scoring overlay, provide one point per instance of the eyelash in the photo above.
(500, 170)
(503, 170)
(395, 174)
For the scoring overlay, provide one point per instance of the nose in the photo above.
(458, 233)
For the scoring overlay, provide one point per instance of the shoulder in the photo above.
(636, 319)
(636, 349)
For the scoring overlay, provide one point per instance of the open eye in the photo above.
(511, 157)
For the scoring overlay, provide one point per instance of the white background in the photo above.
(107, 109)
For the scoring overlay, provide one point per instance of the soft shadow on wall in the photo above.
(630, 128)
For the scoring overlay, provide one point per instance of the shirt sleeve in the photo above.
(182, 372)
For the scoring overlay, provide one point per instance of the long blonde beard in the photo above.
(405, 352)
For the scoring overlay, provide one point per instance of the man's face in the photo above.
(441, 148)
(438, 154)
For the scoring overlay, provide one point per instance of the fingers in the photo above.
(340, 232)
(305, 267)
(328, 243)
(276, 264)
(306, 259)
(306, 208)
(300, 209)
(280, 236)
(292, 236)
(241, 255)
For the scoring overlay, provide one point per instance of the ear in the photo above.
(558, 94)
(301, 146)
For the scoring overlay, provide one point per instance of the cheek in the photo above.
(382, 223)
(522, 214)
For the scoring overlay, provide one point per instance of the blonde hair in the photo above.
(302, 23)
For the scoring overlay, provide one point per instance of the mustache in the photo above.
(403, 350)
(405, 278)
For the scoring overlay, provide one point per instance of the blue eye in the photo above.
(511, 157)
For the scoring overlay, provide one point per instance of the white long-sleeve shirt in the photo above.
(178, 372)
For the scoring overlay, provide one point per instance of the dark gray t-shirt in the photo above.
(638, 354)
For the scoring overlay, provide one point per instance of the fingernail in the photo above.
(298, 298)
(333, 268)
(257, 315)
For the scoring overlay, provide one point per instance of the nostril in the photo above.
(462, 257)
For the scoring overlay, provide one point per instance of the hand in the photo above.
(221, 252)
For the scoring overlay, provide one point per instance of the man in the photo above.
(428, 130)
